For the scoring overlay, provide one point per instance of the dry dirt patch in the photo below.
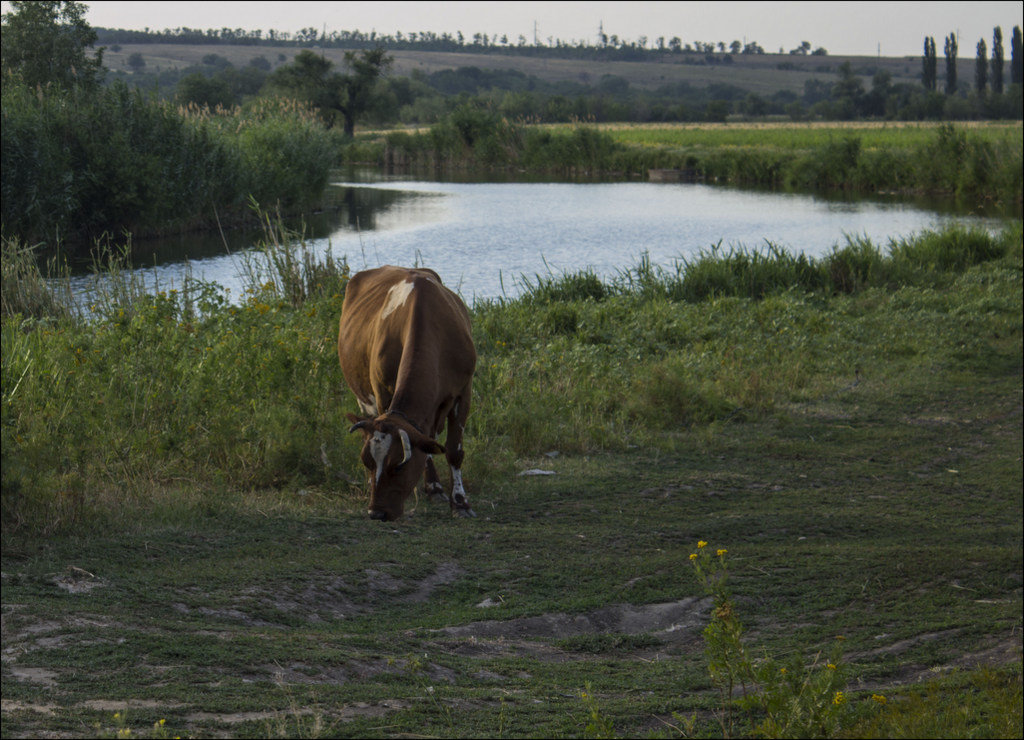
(672, 620)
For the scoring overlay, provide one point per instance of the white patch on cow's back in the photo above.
(369, 408)
(397, 296)
(380, 443)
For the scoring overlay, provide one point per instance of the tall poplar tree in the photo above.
(981, 67)
(950, 51)
(997, 60)
(1016, 68)
(929, 73)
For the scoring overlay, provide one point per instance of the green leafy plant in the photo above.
(790, 697)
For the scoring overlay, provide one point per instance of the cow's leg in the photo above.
(453, 452)
(432, 485)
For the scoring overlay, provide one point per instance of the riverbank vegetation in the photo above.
(140, 387)
(976, 165)
(80, 164)
(176, 465)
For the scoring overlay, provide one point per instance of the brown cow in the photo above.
(406, 350)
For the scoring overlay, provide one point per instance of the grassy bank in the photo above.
(186, 384)
(185, 536)
(976, 164)
(78, 165)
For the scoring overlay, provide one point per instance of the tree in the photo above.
(981, 67)
(136, 61)
(847, 93)
(950, 51)
(44, 43)
(211, 92)
(997, 60)
(929, 70)
(1016, 70)
(348, 96)
(874, 102)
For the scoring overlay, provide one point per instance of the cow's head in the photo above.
(395, 455)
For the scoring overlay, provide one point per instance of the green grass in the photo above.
(801, 136)
(181, 538)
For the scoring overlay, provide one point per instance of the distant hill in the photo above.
(764, 74)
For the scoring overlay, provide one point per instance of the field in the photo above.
(790, 135)
(200, 562)
(757, 73)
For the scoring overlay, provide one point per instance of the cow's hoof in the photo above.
(467, 512)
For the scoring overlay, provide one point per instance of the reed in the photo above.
(79, 166)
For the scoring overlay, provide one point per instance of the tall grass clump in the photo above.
(286, 151)
(25, 289)
(78, 164)
(286, 266)
(478, 137)
(174, 385)
(750, 273)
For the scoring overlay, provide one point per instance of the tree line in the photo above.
(988, 72)
(850, 93)
(607, 46)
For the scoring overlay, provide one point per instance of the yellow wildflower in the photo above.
(879, 698)
(839, 699)
(693, 556)
(721, 551)
(701, 544)
(831, 666)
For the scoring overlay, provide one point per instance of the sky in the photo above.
(843, 28)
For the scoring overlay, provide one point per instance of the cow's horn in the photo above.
(406, 447)
(358, 425)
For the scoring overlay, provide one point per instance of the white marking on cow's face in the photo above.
(397, 296)
(380, 443)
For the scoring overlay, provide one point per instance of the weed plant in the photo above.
(788, 698)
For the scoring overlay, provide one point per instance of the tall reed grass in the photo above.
(77, 165)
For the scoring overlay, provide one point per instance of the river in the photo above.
(485, 237)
